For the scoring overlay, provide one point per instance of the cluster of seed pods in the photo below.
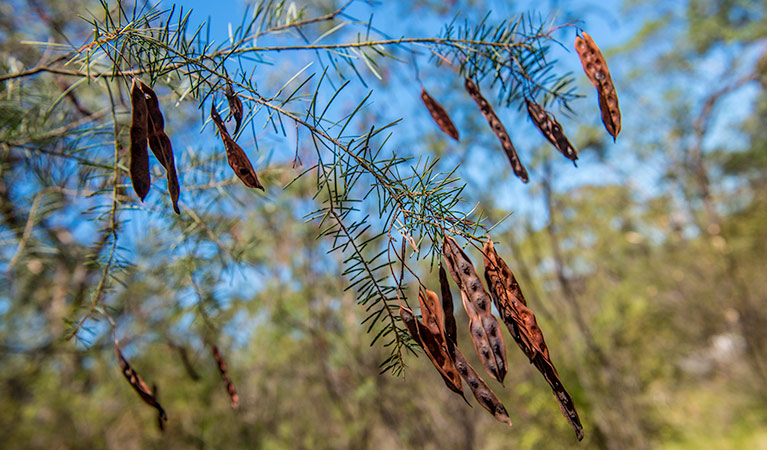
(436, 332)
(148, 127)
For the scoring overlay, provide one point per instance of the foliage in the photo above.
(651, 298)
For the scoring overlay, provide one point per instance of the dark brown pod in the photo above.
(160, 144)
(439, 115)
(483, 327)
(138, 385)
(482, 392)
(611, 113)
(447, 306)
(234, 399)
(551, 129)
(498, 129)
(235, 106)
(431, 338)
(235, 155)
(520, 321)
(595, 67)
(139, 158)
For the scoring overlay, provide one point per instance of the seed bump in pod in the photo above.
(439, 115)
(498, 129)
(595, 67)
(139, 158)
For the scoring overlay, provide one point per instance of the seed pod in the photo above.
(139, 385)
(139, 158)
(520, 321)
(595, 66)
(235, 106)
(432, 340)
(482, 392)
(235, 155)
(498, 129)
(160, 144)
(483, 327)
(447, 306)
(160, 417)
(551, 129)
(439, 115)
(234, 399)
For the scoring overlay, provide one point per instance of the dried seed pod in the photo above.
(234, 399)
(595, 67)
(498, 129)
(520, 321)
(161, 418)
(139, 158)
(439, 115)
(551, 129)
(235, 155)
(611, 113)
(235, 106)
(432, 340)
(447, 306)
(483, 327)
(482, 392)
(139, 385)
(160, 144)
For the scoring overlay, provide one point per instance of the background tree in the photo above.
(650, 297)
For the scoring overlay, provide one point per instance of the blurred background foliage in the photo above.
(647, 270)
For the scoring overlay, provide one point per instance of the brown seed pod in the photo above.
(432, 339)
(483, 327)
(234, 399)
(498, 129)
(439, 115)
(235, 106)
(595, 67)
(139, 385)
(235, 155)
(482, 392)
(447, 306)
(160, 144)
(520, 321)
(551, 129)
(139, 158)
(611, 113)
